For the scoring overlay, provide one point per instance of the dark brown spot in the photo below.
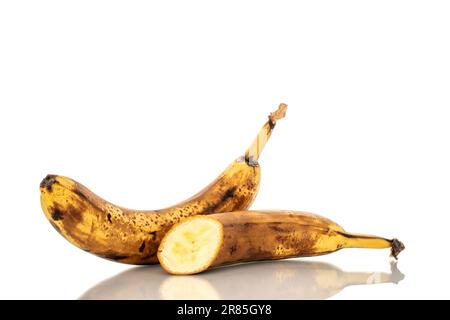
(276, 228)
(251, 161)
(74, 213)
(233, 249)
(271, 124)
(56, 214)
(258, 254)
(142, 247)
(48, 182)
(79, 193)
(243, 227)
(109, 217)
(228, 194)
(250, 185)
(72, 217)
(225, 197)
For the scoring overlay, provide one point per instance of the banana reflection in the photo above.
(289, 279)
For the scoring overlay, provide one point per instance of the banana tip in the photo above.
(48, 182)
(396, 248)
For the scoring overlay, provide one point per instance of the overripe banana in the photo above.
(203, 242)
(132, 236)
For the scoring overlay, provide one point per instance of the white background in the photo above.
(145, 103)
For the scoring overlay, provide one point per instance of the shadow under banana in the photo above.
(267, 280)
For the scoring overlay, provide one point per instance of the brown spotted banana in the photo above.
(202, 242)
(133, 236)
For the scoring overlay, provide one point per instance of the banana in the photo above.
(132, 236)
(204, 242)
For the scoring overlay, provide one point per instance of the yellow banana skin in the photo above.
(133, 236)
(200, 243)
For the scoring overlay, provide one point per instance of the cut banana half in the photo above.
(204, 242)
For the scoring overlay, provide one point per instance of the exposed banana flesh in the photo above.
(132, 236)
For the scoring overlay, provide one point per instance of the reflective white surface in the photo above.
(290, 279)
(146, 102)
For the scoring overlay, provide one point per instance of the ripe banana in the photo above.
(203, 242)
(133, 236)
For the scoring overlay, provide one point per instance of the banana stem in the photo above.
(373, 242)
(254, 151)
